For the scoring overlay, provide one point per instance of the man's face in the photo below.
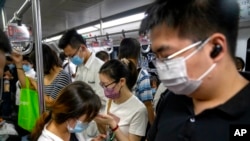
(71, 52)
(2, 63)
(165, 42)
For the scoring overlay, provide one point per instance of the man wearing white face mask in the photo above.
(195, 43)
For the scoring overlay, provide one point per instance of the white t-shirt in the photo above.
(132, 115)
(49, 136)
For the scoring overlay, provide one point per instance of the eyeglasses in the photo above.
(105, 86)
(199, 43)
(74, 53)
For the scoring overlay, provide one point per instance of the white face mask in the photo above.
(173, 72)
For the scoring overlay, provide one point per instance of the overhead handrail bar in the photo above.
(19, 13)
(115, 33)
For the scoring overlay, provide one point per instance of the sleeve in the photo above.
(139, 122)
(144, 88)
(62, 81)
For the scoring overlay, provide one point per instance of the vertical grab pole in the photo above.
(4, 18)
(38, 48)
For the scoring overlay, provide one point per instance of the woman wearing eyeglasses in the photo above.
(126, 117)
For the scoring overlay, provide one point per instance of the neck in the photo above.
(221, 92)
(124, 96)
(59, 129)
(88, 54)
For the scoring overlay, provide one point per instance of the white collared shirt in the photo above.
(89, 73)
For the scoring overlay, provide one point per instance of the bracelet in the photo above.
(117, 126)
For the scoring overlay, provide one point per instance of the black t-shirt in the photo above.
(176, 121)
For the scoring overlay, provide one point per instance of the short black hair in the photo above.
(4, 42)
(103, 55)
(195, 19)
(239, 62)
(129, 48)
(71, 38)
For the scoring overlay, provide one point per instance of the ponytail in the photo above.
(37, 131)
(132, 77)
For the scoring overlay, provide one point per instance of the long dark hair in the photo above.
(74, 100)
(50, 59)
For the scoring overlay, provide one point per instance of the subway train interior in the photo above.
(102, 23)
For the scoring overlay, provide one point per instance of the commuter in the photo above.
(29, 71)
(6, 105)
(55, 78)
(127, 115)
(88, 65)
(240, 64)
(195, 43)
(130, 49)
(76, 106)
(103, 55)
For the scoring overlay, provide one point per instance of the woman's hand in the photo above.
(33, 83)
(100, 137)
(17, 58)
(106, 120)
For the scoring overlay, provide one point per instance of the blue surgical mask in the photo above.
(79, 127)
(77, 60)
(153, 90)
(26, 68)
(11, 66)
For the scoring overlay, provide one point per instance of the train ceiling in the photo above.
(60, 15)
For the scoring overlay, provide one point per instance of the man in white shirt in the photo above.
(88, 66)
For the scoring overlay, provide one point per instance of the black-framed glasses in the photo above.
(74, 53)
(105, 86)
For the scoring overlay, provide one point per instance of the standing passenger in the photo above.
(88, 65)
(195, 44)
(103, 55)
(55, 78)
(130, 49)
(76, 105)
(4, 49)
(127, 115)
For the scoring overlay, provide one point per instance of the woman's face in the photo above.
(107, 82)
(72, 122)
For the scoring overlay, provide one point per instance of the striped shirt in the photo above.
(142, 87)
(61, 80)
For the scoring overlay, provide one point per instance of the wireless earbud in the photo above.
(216, 51)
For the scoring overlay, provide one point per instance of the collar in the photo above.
(238, 104)
(89, 61)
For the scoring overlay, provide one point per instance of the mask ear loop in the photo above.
(207, 72)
